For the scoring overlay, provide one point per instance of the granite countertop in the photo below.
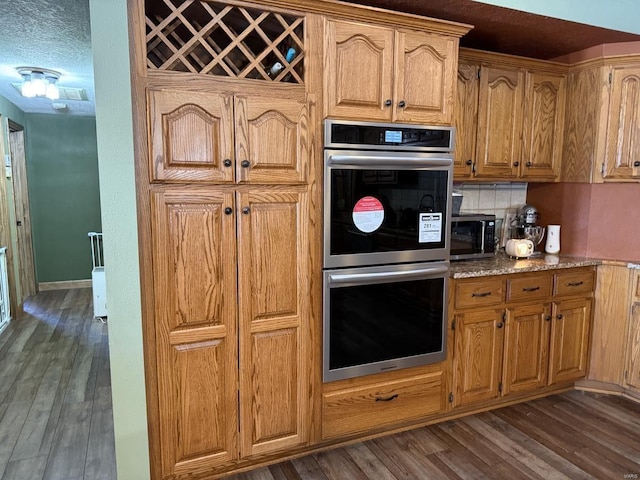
(501, 264)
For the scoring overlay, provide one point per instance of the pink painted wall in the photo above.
(597, 220)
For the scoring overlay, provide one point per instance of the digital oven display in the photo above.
(392, 136)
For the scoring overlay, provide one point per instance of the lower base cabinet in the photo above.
(520, 333)
(368, 404)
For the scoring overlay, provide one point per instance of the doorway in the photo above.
(24, 251)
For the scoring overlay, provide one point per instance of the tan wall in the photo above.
(594, 217)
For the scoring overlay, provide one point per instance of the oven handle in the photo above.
(379, 277)
(390, 161)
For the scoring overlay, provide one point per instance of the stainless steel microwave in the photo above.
(472, 236)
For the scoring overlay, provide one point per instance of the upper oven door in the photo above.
(386, 207)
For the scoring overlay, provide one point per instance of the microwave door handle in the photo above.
(381, 277)
(389, 161)
(482, 236)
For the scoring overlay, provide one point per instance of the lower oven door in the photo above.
(383, 318)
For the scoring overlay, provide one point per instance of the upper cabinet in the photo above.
(381, 74)
(622, 158)
(509, 118)
(222, 138)
(602, 133)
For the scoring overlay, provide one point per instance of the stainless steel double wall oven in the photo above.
(387, 201)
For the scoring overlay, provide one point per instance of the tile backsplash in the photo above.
(491, 198)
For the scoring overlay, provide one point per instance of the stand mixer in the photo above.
(526, 225)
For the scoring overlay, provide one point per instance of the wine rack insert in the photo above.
(220, 39)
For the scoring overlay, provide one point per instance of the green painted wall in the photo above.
(62, 168)
(109, 38)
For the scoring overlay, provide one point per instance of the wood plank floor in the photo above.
(56, 420)
(573, 435)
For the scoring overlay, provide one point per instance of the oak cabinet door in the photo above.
(623, 130)
(465, 119)
(190, 136)
(633, 349)
(425, 72)
(526, 348)
(479, 343)
(273, 301)
(569, 351)
(359, 71)
(500, 103)
(272, 140)
(195, 324)
(544, 126)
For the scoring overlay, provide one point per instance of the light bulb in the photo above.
(38, 82)
(27, 89)
(53, 93)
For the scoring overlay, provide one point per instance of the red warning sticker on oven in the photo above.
(368, 214)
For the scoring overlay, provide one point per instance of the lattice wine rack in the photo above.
(219, 39)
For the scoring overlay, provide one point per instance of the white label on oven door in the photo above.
(429, 227)
(368, 214)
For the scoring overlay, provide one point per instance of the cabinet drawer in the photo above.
(526, 288)
(360, 409)
(571, 283)
(479, 293)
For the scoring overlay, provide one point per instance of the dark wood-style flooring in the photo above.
(56, 420)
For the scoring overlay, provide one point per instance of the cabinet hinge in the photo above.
(610, 77)
(453, 325)
(602, 169)
(500, 387)
(479, 73)
(625, 375)
(450, 397)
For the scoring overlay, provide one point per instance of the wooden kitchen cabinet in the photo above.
(544, 107)
(223, 138)
(569, 355)
(374, 402)
(479, 347)
(509, 118)
(500, 118)
(527, 347)
(465, 119)
(632, 377)
(382, 74)
(199, 328)
(533, 337)
(601, 127)
(194, 271)
(622, 160)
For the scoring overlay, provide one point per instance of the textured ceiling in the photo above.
(55, 34)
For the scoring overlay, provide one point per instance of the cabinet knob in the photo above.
(548, 318)
(469, 162)
(515, 164)
(500, 325)
(636, 163)
(529, 164)
(388, 102)
(228, 211)
(402, 104)
(227, 162)
(559, 316)
(246, 210)
(245, 163)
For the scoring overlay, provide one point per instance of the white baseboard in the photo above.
(64, 285)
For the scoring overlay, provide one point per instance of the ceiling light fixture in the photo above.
(39, 82)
